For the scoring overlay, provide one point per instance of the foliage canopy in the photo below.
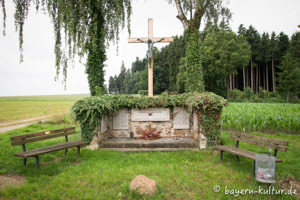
(191, 14)
(86, 25)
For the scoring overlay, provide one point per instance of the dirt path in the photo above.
(24, 121)
(21, 123)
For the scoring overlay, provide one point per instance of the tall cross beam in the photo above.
(150, 41)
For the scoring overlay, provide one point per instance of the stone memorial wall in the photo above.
(176, 122)
(170, 123)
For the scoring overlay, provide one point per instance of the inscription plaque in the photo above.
(158, 114)
(181, 118)
(103, 124)
(120, 120)
(195, 121)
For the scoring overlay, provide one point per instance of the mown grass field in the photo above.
(107, 175)
(26, 107)
(179, 175)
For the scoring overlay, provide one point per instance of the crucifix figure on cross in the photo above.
(150, 41)
(150, 47)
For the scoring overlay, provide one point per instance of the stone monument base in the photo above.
(149, 129)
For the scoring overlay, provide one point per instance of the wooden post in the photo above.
(150, 65)
(150, 78)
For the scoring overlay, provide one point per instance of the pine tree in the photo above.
(273, 53)
(289, 78)
(242, 32)
(253, 39)
(266, 58)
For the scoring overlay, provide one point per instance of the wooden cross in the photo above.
(150, 41)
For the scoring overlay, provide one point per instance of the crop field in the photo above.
(268, 117)
(264, 117)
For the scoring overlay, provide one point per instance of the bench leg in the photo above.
(24, 161)
(66, 151)
(238, 158)
(37, 162)
(221, 156)
(78, 151)
(254, 163)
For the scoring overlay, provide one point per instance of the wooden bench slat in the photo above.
(18, 142)
(255, 137)
(52, 148)
(20, 137)
(241, 152)
(282, 148)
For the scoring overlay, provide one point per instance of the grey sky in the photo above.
(35, 76)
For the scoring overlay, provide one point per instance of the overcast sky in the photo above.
(35, 76)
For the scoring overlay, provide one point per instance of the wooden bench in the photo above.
(252, 139)
(23, 139)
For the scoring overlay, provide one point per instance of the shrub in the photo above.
(165, 94)
(255, 98)
(236, 94)
(274, 94)
(143, 92)
(248, 92)
(262, 93)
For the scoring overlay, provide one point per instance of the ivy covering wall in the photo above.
(194, 67)
(89, 111)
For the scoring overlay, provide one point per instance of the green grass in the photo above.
(26, 107)
(107, 175)
(269, 117)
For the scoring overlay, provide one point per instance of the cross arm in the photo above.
(155, 39)
(137, 40)
(162, 39)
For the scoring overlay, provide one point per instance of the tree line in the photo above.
(215, 59)
(246, 59)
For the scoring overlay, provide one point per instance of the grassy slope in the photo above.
(26, 107)
(106, 175)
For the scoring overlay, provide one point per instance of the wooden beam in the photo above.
(150, 78)
(35, 139)
(150, 28)
(282, 148)
(165, 39)
(22, 137)
(258, 138)
(155, 39)
(135, 40)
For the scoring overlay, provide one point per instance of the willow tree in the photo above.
(87, 26)
(191, 14)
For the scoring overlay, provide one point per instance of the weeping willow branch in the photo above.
(86, 25)
(2, 3)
